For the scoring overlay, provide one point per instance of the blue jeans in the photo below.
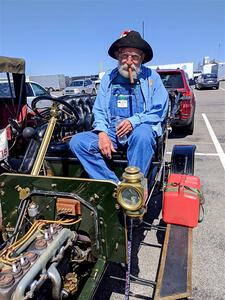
(140, 150)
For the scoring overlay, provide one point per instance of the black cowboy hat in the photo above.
(132, 39)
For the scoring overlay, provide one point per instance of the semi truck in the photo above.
(50, 82)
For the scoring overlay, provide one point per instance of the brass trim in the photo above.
(44, 146)
(61, 177)
(122, 203)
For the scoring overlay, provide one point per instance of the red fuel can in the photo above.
(181, 201)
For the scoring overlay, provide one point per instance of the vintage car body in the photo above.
(59, 230)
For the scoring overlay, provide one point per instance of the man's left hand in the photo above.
(124, 128)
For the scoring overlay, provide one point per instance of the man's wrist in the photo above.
(100, 133)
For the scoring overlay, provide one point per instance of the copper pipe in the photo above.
(131, 75)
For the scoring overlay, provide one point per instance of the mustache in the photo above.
(123, 70)
(125, 67)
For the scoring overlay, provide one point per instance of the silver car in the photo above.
(80, 87)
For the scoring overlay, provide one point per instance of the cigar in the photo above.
(130, 75)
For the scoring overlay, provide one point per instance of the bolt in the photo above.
(117, 206)
(114, 195)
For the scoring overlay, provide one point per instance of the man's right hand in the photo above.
(105, 145)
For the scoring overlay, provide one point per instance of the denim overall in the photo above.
(125, 101)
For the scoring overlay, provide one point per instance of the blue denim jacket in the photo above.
(155, 98)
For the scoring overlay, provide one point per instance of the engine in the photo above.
(46, 263)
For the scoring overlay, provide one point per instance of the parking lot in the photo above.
(208, 276)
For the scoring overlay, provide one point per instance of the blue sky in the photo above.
(72, 37)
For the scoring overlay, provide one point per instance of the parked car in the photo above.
(33, 90)
(177, 79)
(97, 84)
(80, 87)
(208, 80)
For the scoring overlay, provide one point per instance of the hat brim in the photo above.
(123, 42)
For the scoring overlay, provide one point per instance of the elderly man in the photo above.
(130, 106)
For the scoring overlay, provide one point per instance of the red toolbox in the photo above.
(181, 201)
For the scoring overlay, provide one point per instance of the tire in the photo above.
(82, 92)
(94, 91)
(189, 129)
(50, 89)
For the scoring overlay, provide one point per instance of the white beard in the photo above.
(123, 70)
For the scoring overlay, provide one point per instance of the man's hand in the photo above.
(124, 128)
(105, 145)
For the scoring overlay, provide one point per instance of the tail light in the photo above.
(186, 106)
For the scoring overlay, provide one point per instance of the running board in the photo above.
(175, 272)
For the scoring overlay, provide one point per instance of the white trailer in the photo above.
(209, 68)
(187, 67)
(221, 71)
(50, 82)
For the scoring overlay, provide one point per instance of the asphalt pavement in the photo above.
(208, 276)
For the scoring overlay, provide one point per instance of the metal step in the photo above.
(175, 272)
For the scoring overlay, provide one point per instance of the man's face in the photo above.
(129, 57)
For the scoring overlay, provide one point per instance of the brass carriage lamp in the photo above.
(130, 192)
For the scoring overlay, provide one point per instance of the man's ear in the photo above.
(142, 57)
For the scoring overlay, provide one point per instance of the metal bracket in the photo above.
(23, 192)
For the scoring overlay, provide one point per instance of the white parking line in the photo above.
(201, 154)
(216, 143)
(222, 89)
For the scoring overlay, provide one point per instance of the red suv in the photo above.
(177, 79)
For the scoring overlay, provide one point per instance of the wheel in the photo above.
(62, 105)
(83, 92)
(94, 91)
(50, 89)
(189, 129)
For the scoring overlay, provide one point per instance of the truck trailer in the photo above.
(50, 82)
(188, 67)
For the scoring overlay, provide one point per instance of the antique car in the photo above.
(59, 229)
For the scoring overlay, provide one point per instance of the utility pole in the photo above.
(143, 29)
(100, 66)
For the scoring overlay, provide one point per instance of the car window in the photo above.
(77, 83)
(172, 80)
(5, 90)
(39, 90)
(206, 76)
(29, 91)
